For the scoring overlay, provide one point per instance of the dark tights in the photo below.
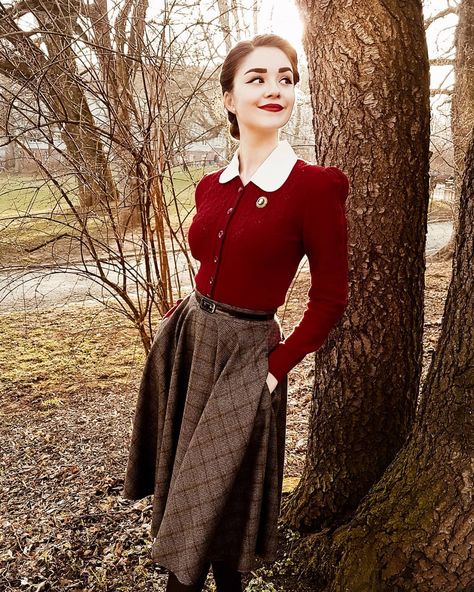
(226, 578)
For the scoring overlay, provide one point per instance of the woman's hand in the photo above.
(271, 382)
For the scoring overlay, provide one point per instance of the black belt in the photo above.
(210, 305)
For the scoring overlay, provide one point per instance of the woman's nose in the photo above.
(273, 90)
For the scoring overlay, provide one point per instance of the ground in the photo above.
(69, 379)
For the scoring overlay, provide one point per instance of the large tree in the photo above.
(369, 81)
(414, 531)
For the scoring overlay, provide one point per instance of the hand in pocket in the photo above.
(271, 382)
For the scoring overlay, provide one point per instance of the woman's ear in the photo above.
(228, 102)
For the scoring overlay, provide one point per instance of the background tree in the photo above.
(118, 90)
(462, 105)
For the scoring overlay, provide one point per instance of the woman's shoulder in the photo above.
(322, 180)
(204, 186)
(205, 177)
(317, 172)
(208, 179)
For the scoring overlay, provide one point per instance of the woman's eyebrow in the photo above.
(263, 70)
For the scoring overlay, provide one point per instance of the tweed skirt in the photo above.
(208, 440)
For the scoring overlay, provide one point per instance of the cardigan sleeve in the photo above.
(324, 229)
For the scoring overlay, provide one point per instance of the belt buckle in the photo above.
(207, 304)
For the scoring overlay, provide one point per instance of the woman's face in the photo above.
(268, 85)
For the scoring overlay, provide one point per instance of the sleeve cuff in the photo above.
(282, 359)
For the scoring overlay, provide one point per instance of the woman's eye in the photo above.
(260, 78)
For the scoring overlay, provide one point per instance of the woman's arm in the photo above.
(324, 229)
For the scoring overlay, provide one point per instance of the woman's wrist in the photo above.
(271, 382)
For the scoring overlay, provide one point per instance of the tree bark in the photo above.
(415, 528)
(462, 108)
(370, 91)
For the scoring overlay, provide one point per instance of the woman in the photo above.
(209, 431)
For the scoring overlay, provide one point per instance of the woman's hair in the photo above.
(238, 53)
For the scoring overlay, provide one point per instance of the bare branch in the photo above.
(441, 14)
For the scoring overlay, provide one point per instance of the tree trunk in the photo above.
(370, 91)
(462, 108)
(79, 131)
(58, 88)
(415, 528)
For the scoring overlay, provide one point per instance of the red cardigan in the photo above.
(249, 255)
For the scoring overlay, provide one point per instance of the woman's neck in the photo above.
(252, 153)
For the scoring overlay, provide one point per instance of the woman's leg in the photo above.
(174, 585)
(226, 578)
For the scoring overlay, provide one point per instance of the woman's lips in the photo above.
(272, 107)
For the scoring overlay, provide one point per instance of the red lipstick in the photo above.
(271, 107)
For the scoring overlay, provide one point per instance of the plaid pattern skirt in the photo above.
(208, 440)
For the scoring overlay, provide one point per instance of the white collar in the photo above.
(273, 171)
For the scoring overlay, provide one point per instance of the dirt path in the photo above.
(21, 289)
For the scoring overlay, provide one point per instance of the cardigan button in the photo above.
(229, 210)
(210, 281)
(215, 258)
(221, 232)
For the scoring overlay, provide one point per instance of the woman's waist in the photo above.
(212, 304)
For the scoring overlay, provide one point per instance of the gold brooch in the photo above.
(261, 201)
